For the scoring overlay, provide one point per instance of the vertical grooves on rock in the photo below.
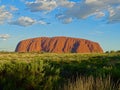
(75, 46)
(63, 49)
(29, 45)
(54, 45)
(43, 40)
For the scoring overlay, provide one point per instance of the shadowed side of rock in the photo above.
(58, 45)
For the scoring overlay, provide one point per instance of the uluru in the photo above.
(59, 44)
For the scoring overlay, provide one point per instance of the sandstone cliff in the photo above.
(58, 45)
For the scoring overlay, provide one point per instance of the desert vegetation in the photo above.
(91, 83)
(51, 71)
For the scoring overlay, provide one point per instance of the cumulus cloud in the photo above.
(27, 21)
(48, 5)
(90, 1)
(114, 16)
(4, 36)
(65, 3)
(41, 5)
(96, 8)
(23, 21)
(85, 10)
(4, 14)
(64, 19)
(99, 14)
(67, 20)
(42, 22)
(13, 8)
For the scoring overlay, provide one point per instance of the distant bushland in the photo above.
(113, 51)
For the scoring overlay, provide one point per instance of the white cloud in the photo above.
(90, 1)
(84, 10)
(111, 11)
(65, 3)
(4, 14)
(64, 19)
(96, 8)
(41, 5)
(13, 8)
(48, 5)
(23, 21)
(42, 22)
(4, 36)
(67, 20)
(115, 18)
(27, 21)
(100, 14)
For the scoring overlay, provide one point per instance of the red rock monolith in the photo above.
(58, 45)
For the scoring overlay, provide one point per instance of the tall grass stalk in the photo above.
(91, 83)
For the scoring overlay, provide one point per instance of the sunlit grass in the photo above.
(91, 83)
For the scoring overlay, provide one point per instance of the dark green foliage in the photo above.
(118, 51)
(112, 51)
(36, 75)
(107, 52)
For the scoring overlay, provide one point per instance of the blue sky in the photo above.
(96, 20)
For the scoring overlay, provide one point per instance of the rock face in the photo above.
(58, 45)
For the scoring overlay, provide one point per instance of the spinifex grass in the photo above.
(91, 83)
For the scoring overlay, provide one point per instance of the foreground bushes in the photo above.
(46, 73)
(36, 75)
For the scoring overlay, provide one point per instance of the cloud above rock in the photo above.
(79, 10)
(4, 36)
(23, 21)
(41, 5)
(43, 22)
(96, 8)
(48, 5)
(115, 15)
(5, 15)
(13, 8)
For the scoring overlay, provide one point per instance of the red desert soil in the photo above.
(58, 45)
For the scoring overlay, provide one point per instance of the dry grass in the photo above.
(89, 83)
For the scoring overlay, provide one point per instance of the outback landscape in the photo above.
(43, 64)
(59, 44)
